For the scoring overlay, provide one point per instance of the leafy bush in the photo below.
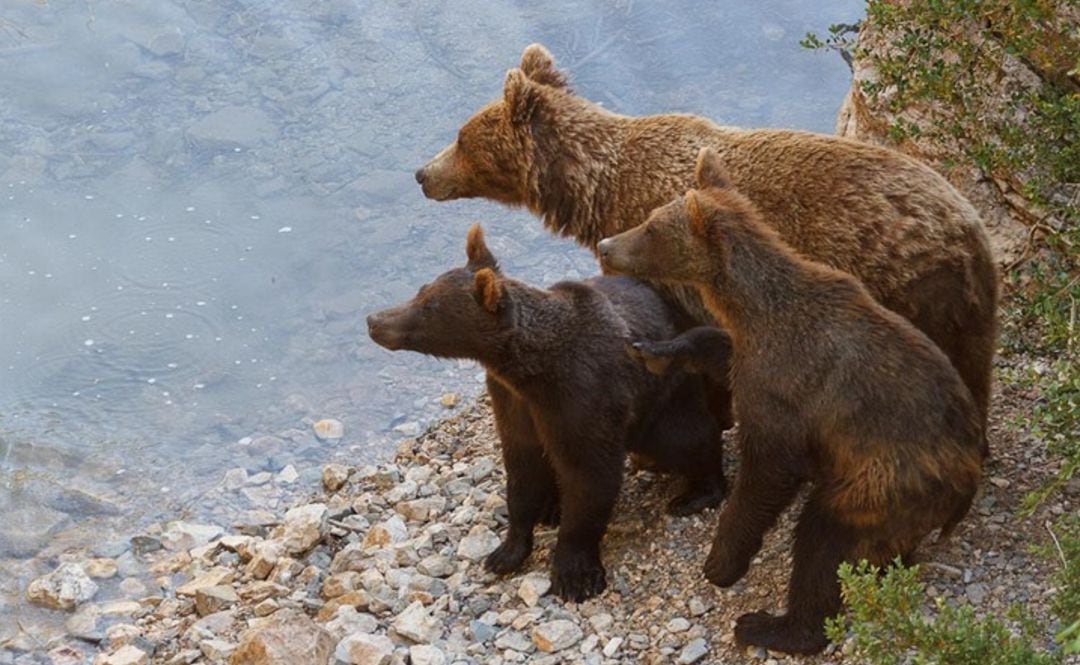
(889, 627)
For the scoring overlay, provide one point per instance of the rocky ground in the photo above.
(382, 565)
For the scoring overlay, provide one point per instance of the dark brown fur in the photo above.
(891, 221)
(830, 387)
(568, 402)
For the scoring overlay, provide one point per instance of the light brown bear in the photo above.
(891, 221)
(831, 389)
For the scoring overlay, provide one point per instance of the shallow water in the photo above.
(200, 199)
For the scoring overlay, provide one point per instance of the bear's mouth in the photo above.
(438, 195)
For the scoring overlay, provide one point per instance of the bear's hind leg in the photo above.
(822, 543)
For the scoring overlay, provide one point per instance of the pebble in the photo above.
(480, 542)
(533, 587)
(416, 623)
(329, 429)
(216, 651)
(100, 568)
(694, 651)
(126, 655)
(334, 476)
(425, 654)
(286, 637)
(180, 535)
(62, 589)
(556, 635)
(436, 565)
(363, 649)
(304, 526)
(214, 599)
(449, 400)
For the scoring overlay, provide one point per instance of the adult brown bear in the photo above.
(894, 223)
(830, 388)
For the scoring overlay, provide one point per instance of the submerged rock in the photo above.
(62, 589)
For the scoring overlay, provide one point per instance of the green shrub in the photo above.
(888, 625)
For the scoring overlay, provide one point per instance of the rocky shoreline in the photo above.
(381, 565)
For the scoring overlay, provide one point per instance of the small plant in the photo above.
(887, 625)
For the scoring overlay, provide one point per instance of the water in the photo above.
(200, 199)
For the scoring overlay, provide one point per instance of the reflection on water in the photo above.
(199, 200)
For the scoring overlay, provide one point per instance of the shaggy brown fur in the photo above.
(569, 404)
(891, 221)
(830, 387)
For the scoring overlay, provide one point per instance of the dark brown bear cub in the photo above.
(568, 401)
(830, 387)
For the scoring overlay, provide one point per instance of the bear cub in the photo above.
(830, 388)
(569, 403)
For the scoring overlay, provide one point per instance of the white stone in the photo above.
(556, 635)
(329, 429)
(126, 655)
(182, 536)
(363, 649)
(389, 532)
(347, 621)
(62, 589)
(693, 652)
(533, 587)
(436, 565)
(425, 654)
(304, 527)
(288, 475)
(416, 623)
(480, 542)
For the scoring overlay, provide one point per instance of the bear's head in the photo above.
(459, 315)
(492, 155)
(680, 242)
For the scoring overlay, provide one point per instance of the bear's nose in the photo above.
(420, 176)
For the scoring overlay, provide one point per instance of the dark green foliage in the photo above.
(888, 625)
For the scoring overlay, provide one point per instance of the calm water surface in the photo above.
(200, 199)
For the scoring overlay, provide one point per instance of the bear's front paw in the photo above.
(724, 566)
(781, 633)
(577, 577)
(656, 356)
(508, 556)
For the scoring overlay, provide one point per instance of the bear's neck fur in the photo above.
(578, 181)
(540, 327)
(762, 285)
(576, 152)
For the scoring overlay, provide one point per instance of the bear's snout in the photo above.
(604, 248)
(421, 176)
(383, 331)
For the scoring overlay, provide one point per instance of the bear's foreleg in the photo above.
(532, 494)
(765, 486)
(589, 470)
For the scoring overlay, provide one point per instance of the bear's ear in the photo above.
(477, 251)
(489, 292)
(699, 226)
(520, 96)
(539, 66)
(710, 170)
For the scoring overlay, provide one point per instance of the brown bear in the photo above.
(830, 387)
(568, 401)
(894, 223)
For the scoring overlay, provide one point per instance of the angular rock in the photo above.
(62, 589)
(363, 649)
(334, 476)
(264, 559)
(425, 654)
(436, 565)
(533, 587)
(181, 536)
(214, 577)
(216, 651)
(385, 533)
(287, 637)
(304, 526)
(416, 623)
(347, 621)
(214, 599)
(694, 651)
(480, 542)
(126, 655)
(556, 635)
